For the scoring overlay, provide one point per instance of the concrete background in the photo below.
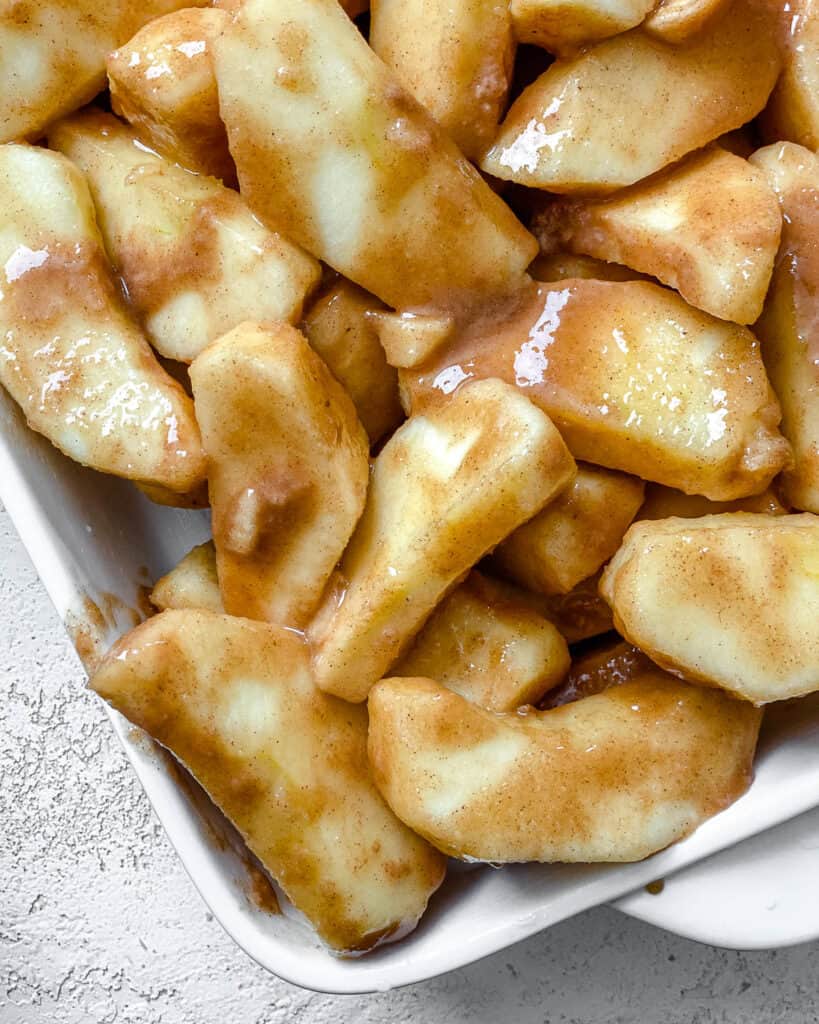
(99, 923)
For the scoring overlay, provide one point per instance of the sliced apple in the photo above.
(455, 57)
(53, 55)
(574, 535)
(192, 583)
(332, 151)
(163, 83)
(708, 227)
(288, 469)
(195, 260)
(70, 355)
(233, 700)
(491, 649)
(446, 488)
(410, 338)
(675, 21)
(634, 379)
(793, 109)
(631, 105)
(561, 26)
(339, 328)
(730, 600)
(611, 778)
(787, 328)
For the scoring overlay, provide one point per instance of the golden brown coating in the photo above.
(557, 266)
(561, 26)
(574, 535)
(331, 150)
(233, 700)
(455, 57)
(162, 82)
(195, 260)
(488, 647)
(597, 671)
(664, 502)
(788, 326)
(634, 379)
(793, 109)
(339, 329)
(288, 464)
(730, 600)
(709, 227)
(53, 55)
(611, 778)
(445, 489)
(631, 105)
(192, 583)
(70, 355)
(675, 21)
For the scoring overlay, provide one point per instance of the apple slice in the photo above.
(234, 701)
(574, 535)
(708, 227)
(446, 488)
(487, 646)
(192, 583)
(631, 105)
(163, 83)
(332, 151)
(78, 366)
(731, 600)
(195, 260)
(633, 377)
(53, 54)
(339, 328)
(787, 327)
(288, 469)
(455, 57)
(611, 778)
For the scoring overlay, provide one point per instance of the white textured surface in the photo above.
(98, 923)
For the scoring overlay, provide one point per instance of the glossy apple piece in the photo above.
(53, 55)
(631, 105)
(192, 583)
(574, 535)
(675, 21)
(195, 260)
(611, 778)
(561, 26)
(288, 469)
(71, 355)
(234, 702)
(454, 56)
(331, 150)
(490, 648)
(787, 327)
(163, 83)
(792, 112)
(633, 377)
(339, 327)
(730, 600)
(708, 227)
(445, 489)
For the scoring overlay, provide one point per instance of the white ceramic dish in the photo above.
(759, 894)
(94, 538)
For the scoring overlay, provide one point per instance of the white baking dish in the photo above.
(96, 538)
